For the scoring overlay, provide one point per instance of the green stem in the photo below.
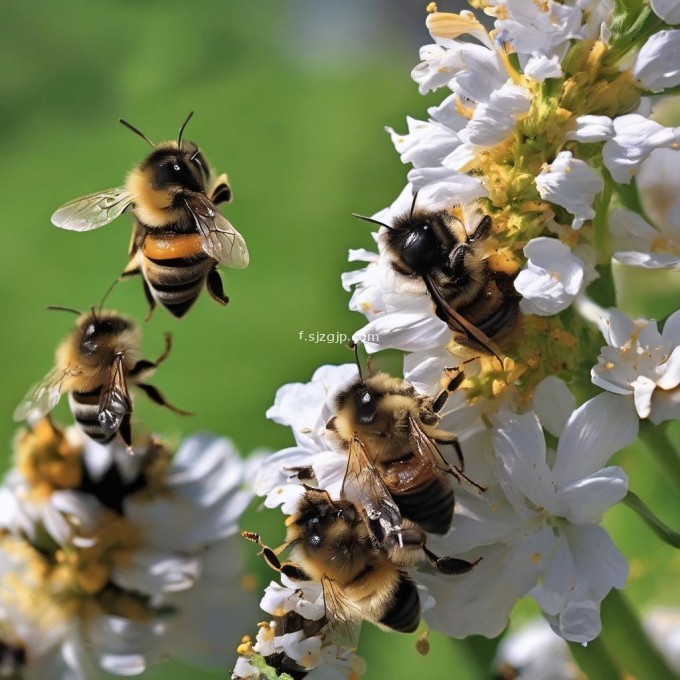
(658, 443)
(600, 223)
(625, 638)
(595, 660)
(658, 527)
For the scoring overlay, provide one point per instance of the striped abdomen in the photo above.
(85, 410)
(430, 505)
(402, 613)
(175, 268)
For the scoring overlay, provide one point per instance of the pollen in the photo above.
(536, 558)
(432, 7)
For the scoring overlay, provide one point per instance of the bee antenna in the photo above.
(59, 308)
(413, 204)
(370, 219)
(108, 292)
(355, 347)
(181, 130)
(94, 314)
(137, 132)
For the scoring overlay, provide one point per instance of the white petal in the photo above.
(520, 446)
(585, 501)
(636, 137)
(441, 187)
(668, 10)
(409, 331)
(594, 433)
(553, 404)
(648, 260)
(592, 129)
(656, 65)
(152, 572)
(539, 67)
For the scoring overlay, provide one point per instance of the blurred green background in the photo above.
(290, 99)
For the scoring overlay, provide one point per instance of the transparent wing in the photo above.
(92, 211)
(364, 487)
(218, 237)
(425, 448)
(41, 398)
(115, 402)
(343, 616)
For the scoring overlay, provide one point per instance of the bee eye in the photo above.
(367, 410)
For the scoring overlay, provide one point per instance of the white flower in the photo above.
(668, 10)
(427, 143)
(535, 652)
(662, 624)
(639, 244)
(636, 137)
(571, 183)
(552, 278)
(534, 28)
(639, 361)
(538, 530)
(160, 547)
(491, 122)
(657, 63)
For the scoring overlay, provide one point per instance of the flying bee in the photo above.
(179, 236)
(94, 364)
(389, 432)
(448, 250)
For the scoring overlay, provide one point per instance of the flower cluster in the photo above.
(526, 180)
(112, 562)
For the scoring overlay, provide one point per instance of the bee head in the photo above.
(98, 328)
(320, 518)
(422, 240)
(173, 167)
(365, 404)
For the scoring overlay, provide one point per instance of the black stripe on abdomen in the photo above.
(430, 506)
(85, 410)
(403, 613)
(176, 287)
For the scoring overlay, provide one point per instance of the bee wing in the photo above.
(92, 211)
(218, 237)
(343, 616)
(458, 323)
(364, 487)
(425, 448)
(41, 398)
(115, 402)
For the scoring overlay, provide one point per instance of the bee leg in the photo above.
(453, 440)
(149, 298)
(450, 565)
(483, 229)
(454, 384)
(154, 394)
(221, 193)
(215, 287)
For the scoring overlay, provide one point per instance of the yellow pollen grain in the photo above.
(245, 649)
(432, 7)
(536, 558)
(609, 365)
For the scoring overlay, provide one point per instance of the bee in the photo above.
(389, 432)
(448, 251)
(331, 544)
(179, 236)
(94, 365)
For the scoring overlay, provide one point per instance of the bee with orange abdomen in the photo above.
(180, 236)
(94, 365)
